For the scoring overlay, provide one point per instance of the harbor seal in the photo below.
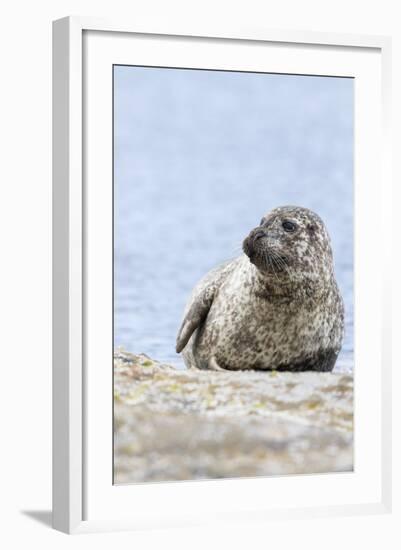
(276, 307)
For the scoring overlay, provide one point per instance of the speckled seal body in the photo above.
(276, 307)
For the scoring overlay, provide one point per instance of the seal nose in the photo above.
(259, 233)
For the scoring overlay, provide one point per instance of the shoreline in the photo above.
(172, 424)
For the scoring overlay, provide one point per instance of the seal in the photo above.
(276, 307)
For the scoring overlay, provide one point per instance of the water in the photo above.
(200, 156)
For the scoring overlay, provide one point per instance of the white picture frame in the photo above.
(83, 497)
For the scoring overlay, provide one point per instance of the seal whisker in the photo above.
(273, 263)
(283, 262)
(279, 261)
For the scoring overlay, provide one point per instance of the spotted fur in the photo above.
(277, 306)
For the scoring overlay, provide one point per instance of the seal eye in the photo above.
(289, 226)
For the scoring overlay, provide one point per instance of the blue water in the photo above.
(200, 156)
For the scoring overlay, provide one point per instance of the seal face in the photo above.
(276, 307)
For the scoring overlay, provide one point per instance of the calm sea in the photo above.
(200, 156)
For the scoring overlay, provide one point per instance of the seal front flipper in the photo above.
(195, 316)
(213, 365)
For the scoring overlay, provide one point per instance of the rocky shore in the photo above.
(186, 424)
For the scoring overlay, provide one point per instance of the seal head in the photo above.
(291, 247)
(275, 307)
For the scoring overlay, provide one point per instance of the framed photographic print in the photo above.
(220, 322)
